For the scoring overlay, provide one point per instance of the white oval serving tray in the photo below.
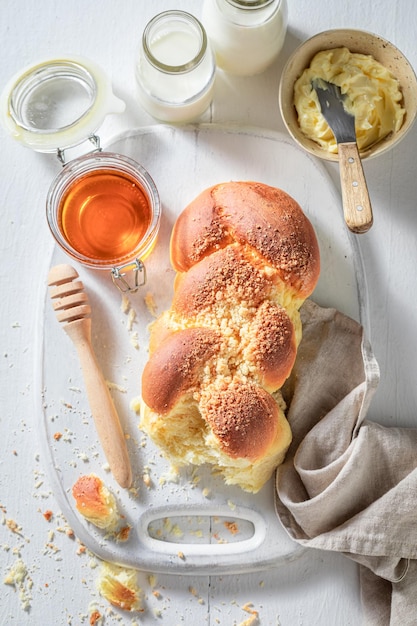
(192, 523)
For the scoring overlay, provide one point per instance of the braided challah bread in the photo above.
(246, 258)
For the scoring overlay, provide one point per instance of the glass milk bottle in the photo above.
(246, 35)
(175, 68)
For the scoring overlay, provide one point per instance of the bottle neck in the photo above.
(174, 42)
(249, 5)
(249, 13)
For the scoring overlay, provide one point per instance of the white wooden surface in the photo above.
(316, 589)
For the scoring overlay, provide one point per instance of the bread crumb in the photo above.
(134, 340)
(248, 607)
(75, 389)
(150, 304)
(125, 304)
(172, 476)
(253, 620)
(67, 435)
(232, 527)
(176, 531)
(95, 618)
(119, 586)
(194, 592)
(123, 534)
(115, 387)
(95, 502)
(51, 548)
(135, 403)
(152, 580)
(195, 480)
(14, 527)
(17, 577)
(181, 555)
(147, 480)
(131, 319)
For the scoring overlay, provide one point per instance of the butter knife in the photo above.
(357, 207)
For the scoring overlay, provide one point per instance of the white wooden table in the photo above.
(316, 589)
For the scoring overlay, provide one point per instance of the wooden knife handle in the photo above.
(357, 207)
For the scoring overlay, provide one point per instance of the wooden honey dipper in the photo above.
(70, 303)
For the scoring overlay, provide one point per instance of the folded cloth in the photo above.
(349, 484)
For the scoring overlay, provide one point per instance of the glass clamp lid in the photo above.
(57, 103)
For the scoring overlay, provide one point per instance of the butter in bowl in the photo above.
(378, 81)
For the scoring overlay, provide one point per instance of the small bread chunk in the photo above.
(95, 502)
(119, 586)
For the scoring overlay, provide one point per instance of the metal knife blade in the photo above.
(333, 109)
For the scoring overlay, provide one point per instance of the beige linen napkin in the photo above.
(349, 484)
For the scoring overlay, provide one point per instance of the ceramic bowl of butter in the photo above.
(378, 83)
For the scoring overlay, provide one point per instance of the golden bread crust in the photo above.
(254, 214)
(273, 348)
(244, 419)
(174, 368)
(225, 273)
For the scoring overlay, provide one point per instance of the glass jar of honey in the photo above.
(103, 209)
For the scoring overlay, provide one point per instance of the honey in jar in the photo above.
(104, 215)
